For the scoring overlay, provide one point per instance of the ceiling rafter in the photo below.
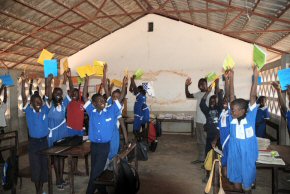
(207, 22)
(250, 14)
(141, 13)
(258, 31)
(253, 13)
(48, 15)
(189, 7)
(162, 5)
(37, 38)
(140, 5)
(85, 16)
(33, 24)
(120, 7)
(11, 61)
(66, 34)
(175, 9)
(281, 39)
(226, 18)
(225, 33)
(119, 24)
(232, 20)
(267, 26)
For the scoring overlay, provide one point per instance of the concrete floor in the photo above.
(168, 171)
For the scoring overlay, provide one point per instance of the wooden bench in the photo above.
(109, 178)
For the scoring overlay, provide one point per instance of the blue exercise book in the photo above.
(284, 78)
(7, 80)
(50, 67)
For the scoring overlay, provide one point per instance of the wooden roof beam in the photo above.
(120, 7)
(46, 14)
(247, 20)
(232, 20)
(272, 22)
(66, 34)
(253, 13)
(226, 18)
(258, 31)
(28, 22)
(105, 14)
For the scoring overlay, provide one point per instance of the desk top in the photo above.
(284, 152)
(81, 150)
(175, 120)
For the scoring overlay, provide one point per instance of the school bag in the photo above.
(8, 176)
(128, 179)
(142, 150)
(152, 138)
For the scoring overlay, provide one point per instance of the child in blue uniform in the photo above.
(37, 121)
(57, 125)
(139, 105)
(224, 127)
(116, 95)
(243, 145)
(101, 126)
(262, 115)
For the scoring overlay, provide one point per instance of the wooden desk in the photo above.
(82, 150)
(12, 148)
(78, 151)
(284, 152)
(191, 121)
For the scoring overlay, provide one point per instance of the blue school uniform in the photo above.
(38, 130)
(57, 122)
(243, 149)
(262, 115)
(102, 124)
(224, 128)
(145, 114)
(138, 112)
(37, 121)
(115, 142)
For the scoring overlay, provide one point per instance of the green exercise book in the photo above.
(259, 57)
(229, 63)
(212, 76)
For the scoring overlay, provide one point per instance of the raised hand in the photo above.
(188, 81)
(276, 85)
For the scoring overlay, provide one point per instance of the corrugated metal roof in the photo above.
(67, 26)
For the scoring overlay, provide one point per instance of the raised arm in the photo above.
(68, 75)
(1, 88)
(204, 108)
(187, 93)
(105, 81)
(124, 89)
(85, 89)
(133, 88)
(281, 100)
(253, 93)
(30, 87)
(48, 89)
(231, 85)
(217, 87)
(227, 86)
(23, 94)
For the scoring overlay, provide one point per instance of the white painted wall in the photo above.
(170, 54)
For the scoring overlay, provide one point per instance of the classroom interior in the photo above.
(169, 40)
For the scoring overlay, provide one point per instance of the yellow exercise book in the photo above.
(45, 55)
(117, 83)
(85, 70)
(99, 68)
(229, 63)
(65, 65)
